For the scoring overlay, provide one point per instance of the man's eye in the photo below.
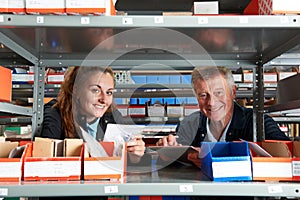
(219, 93)
(203, 95)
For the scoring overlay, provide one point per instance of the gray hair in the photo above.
(204, 73)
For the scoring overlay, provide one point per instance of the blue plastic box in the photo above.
(226, 161)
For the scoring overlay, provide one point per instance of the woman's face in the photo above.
(95, 95)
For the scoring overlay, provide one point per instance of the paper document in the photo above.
(94, 147)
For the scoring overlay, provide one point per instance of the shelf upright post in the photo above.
(39, 87)
(258, 102)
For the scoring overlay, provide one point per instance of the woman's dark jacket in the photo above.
(52, 123)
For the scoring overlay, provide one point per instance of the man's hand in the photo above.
(169, 140)
(193, 156)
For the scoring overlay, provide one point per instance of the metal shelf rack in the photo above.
(147, 43)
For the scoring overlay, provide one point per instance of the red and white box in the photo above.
(111, 168)
(270, 77)
(269, 7)
(277, 166)
(16, 6)
(40, 163)
(100, 7)
(10, 166)
(55, 78)
(123, 109)
(3, 6)
(189, 109)
(137, 111)
(45, 6)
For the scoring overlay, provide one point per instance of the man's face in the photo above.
(215, 98)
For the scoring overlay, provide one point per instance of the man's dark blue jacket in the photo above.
(192, 129)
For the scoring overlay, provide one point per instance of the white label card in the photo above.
(3, 191)
(127, 20)
(85, 20)
(111, 189)
(186, 188)
(202, 20)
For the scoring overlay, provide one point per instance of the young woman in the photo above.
(86, 100)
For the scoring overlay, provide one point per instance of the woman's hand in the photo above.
(136, 148)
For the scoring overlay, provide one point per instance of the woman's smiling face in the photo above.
(95, 95)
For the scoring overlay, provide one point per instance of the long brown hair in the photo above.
(65, 96)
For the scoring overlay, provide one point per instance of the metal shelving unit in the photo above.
(147, 43)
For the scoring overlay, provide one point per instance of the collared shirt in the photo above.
(92, 128)
(210, 137)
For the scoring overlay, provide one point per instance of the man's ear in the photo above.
(234, 91)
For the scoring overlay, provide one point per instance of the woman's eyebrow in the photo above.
(95, 85)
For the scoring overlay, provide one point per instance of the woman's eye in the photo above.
(95, 91)
(109, 93)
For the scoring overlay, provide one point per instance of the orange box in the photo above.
(5, 84)
(52, 168)
(275, 168)
(4, 6)
(16, 6)
(111, 168)
(45, 7)
(89, 7)
(10, 166)
(296, 161)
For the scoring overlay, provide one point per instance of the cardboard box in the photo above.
(275, 168)
(5, 84)
(111, 168)
(53, 168)
(90, 7)
(220, 161)
(45, 7)
(10, 166)
(45, 147)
